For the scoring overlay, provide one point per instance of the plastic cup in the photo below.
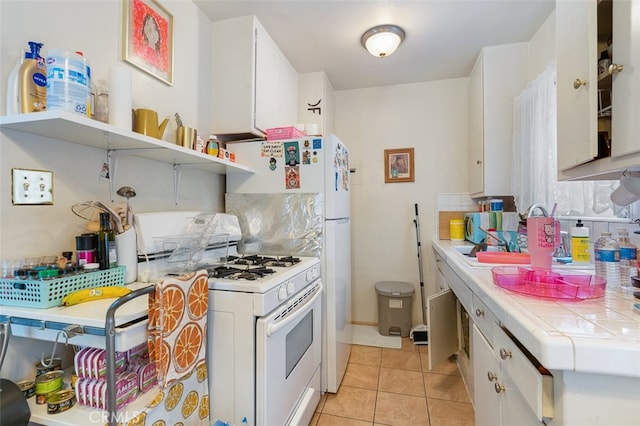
(541, 241)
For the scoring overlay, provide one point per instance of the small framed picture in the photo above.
(148, 38)
(398, 165)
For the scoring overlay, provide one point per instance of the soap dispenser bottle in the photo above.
(580, 243)
(33, 80)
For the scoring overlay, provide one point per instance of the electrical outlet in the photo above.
(32, 186)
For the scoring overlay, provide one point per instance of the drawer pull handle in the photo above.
(491, 376)
(479, 312)
(504, 354)
(498, 387)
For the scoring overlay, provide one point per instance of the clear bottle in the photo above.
(102, 101)
(628, 259)
(607, 259)
(107, 255)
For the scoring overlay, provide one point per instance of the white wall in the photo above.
(430, 117)
(542, 49)
(95, 27)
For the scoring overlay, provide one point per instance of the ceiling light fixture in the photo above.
(382, 40)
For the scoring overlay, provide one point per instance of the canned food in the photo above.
(49, 382)
(28, 388)
(42, 399)
(60, 401)
(56, 364)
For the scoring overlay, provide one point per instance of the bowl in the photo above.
(635, 281)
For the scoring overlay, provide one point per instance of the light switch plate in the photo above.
(31, 186)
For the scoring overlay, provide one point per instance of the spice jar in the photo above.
(86, 249)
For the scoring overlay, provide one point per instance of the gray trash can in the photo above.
(394, 307)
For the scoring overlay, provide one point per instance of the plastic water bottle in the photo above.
(628, 259)
(607, 257)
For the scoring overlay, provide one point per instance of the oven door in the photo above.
(288, 352)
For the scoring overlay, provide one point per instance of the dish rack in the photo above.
(185, 251)
(548, 284)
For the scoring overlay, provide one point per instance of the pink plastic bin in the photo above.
(549, 284)
(289, 132)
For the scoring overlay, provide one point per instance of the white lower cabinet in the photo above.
(498, 400)
(485, 375)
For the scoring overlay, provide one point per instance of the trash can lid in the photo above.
(394, 288)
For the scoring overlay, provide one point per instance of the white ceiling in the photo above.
(443, 37)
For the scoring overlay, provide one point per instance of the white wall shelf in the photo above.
(77, 129)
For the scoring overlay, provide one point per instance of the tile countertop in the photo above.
(592, 336)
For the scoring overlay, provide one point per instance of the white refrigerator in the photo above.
(317, 165)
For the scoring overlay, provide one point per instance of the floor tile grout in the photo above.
(365, 359)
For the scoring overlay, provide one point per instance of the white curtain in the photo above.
(534, 142)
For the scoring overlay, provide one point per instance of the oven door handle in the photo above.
(274, 327)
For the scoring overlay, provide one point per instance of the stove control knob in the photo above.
(282, 293)
(291, 288)
(310, 275)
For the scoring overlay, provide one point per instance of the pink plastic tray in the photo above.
(503, 257)
(549, 284)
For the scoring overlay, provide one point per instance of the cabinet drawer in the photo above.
(483, 318)
(531, 380)
(441, 281)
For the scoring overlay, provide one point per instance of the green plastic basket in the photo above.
(49, 293)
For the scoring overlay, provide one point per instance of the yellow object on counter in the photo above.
(456, 230)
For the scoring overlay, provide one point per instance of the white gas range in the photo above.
(265, 340)
(264, 326)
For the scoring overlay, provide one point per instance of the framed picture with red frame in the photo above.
(148, 38)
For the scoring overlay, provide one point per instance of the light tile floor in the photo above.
(395, 387)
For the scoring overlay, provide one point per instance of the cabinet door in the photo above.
(576, 53)
(626, 84)
(267, 76)
(513, 408)
(497, 77)
(476, 129)
(233, 77)
(486, 369)
(443, 330)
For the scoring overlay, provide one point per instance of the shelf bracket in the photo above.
(112, 158)
(177, 176)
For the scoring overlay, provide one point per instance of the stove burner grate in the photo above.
(283, 262)
(249, 274)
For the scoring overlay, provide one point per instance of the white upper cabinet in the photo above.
(576, 74)
(254, 86)
(498, 76)
(626, 83)
(598, 126)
